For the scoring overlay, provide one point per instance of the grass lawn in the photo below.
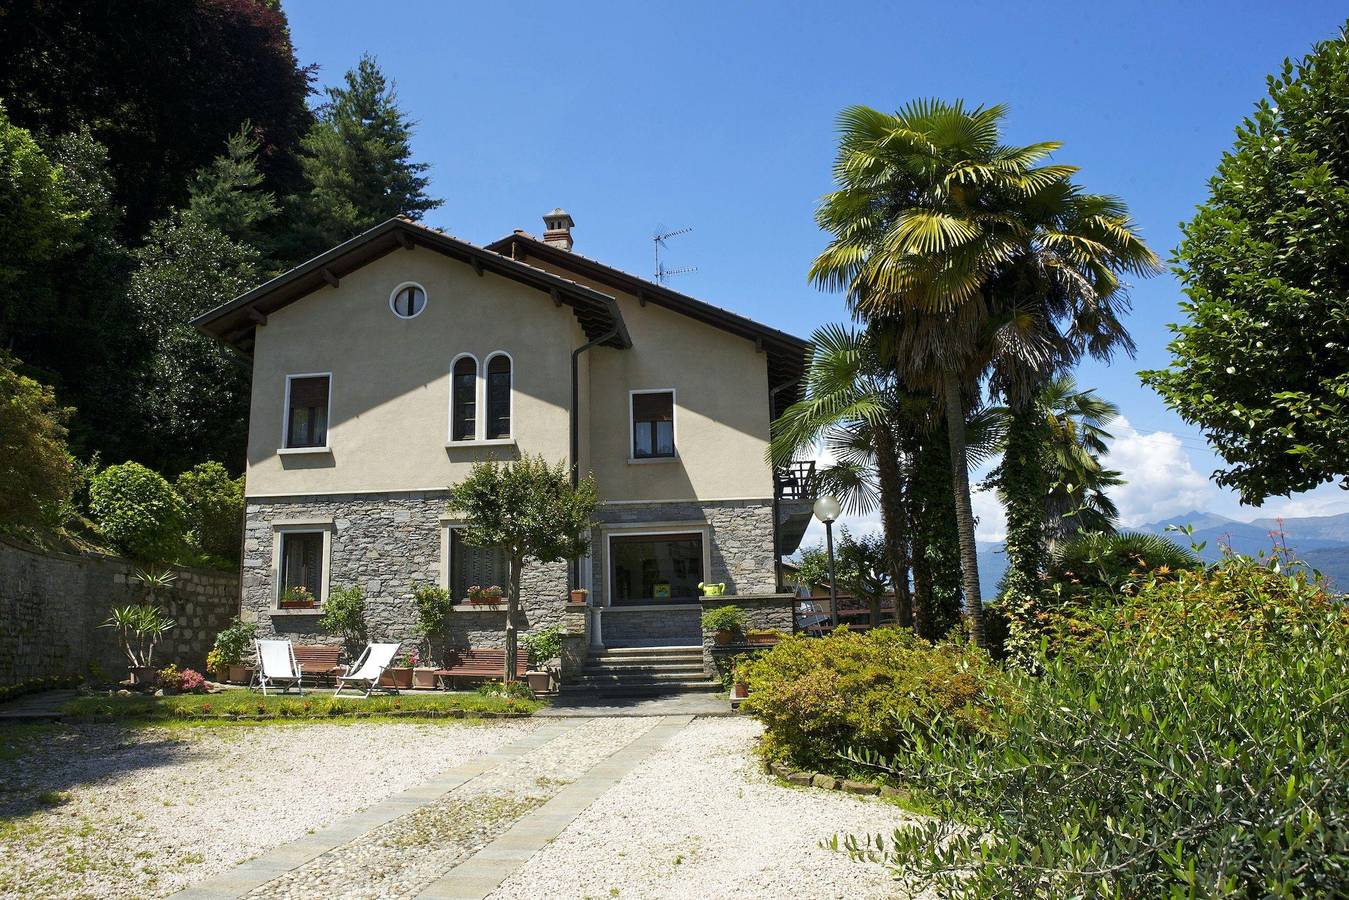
(246, 706)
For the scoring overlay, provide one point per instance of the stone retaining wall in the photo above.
(763, 612)
(51, 606)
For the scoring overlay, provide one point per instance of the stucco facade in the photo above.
(374, 495)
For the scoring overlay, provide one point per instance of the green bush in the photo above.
(724, 618)
(214, 504)
(138, 511)
(234, 641)
(37, 474)
(434, 608)
(344, 615)
(543, 645)
(1198, 749)
(818, 697)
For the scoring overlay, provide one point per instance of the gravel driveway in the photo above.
(101, 811)
(700, 819)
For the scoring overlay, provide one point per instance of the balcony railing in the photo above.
(795, 480)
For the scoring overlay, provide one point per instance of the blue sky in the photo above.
(720, 117)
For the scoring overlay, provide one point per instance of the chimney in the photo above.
(557, 229)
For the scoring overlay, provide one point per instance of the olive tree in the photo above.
(532, 512)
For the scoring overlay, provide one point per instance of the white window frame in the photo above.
(633, 459)
(652, 529)
(426, 300)
(477, 403)
(510, 397)
(283, 527)
(285, 416)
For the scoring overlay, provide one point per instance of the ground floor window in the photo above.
(655, 568)
(302, 563)
(475, 566)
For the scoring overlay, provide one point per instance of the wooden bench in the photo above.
(480, 663)
(318, 661)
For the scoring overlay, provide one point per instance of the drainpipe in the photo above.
(777, 542)
(576, 426)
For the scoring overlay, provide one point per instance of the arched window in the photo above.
(464, 399)
(499, 397)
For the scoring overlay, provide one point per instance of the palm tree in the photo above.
(925, 213)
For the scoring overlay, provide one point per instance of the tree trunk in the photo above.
(512, 606)
(889, 476)
(1024, 486)
(960, 485)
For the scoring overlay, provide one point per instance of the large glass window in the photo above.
(302, 562)
(499, 397)
(464, 399)
(653, 424)
(482, 566)
(662, 568)
(307, 418)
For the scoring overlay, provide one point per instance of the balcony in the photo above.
(795, 480)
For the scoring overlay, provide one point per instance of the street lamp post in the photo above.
(827, 510)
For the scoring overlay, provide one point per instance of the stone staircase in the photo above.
(643, 672)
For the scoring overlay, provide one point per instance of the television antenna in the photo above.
(662, 273)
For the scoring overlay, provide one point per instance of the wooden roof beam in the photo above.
(328, 276)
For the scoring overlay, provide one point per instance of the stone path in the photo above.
(42, 706)
(462, 833)
(570, 706)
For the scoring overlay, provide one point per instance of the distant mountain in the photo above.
(1322, 542)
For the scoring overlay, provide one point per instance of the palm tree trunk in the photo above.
(512, 606)
(890, 478)
(960, 484)
(1024, 488)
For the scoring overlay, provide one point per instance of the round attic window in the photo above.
(407, 301)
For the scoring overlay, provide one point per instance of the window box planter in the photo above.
(423, 677)
(578, 597)
(762, 638)
(298, 604)
(400, 678)
(740, 690)
(722, 637)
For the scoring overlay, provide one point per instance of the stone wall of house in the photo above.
(52, 604)
(388, 544)
(765, 612)
(742, 538)
(676, 625)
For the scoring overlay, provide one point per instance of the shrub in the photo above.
(138, 511)
(344, 614)
(214, 505)
(192, 682)
(434, 608)
(37, 474)
(724, 618)
(543, 645)
(871, 691)
(170, 678)
(1197, 750)
(232, 643)
(1115, 562)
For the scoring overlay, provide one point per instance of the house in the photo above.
(386, 367)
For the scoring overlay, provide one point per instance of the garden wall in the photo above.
(51, 605)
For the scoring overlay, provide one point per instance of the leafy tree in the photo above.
(357, 160)
(161, 83)
(531, 511)
(1262, 364)
(36, 470)
(138, 511)
(215, 509)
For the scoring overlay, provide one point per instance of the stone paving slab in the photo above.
(482, 873)
(586, 706)
(44, 706)
(276, 862)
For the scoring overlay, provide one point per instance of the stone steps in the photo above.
(643, 671)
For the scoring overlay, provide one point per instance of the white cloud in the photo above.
(992, 520)
(1160, 478)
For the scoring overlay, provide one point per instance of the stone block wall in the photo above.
(388, 544)
(676, 625)
(765, 612)
(52, 604)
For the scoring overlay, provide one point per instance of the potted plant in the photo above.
(725, 622)
(344, 616)
(578, 596)
(434, 608)
(232, 643)
(297, 597)
(712, 590)
(422, 676)
(485, 596)
(398, 675)
(139, 628)
(542, 647)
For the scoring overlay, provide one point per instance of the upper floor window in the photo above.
(407, 300)
(307, 410)
(499, 397)
(653, 424)
(464, 399)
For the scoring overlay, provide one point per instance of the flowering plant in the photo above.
(170, 677)
(298, 595)
(413, 658)
(192, 682)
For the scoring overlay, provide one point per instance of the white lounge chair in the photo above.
(365, 671)
(277, 667)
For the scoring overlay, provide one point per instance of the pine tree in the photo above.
(226, 195)
(358, 162)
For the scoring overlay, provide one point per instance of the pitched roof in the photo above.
(786, 353)
(234, 322)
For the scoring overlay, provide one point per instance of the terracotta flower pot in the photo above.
(423, 678)
(539, 682)
(400, 677)
(577, 598)
(240, 674)
(762, 638)
(298, 604)
(740, 690)
(722, 636)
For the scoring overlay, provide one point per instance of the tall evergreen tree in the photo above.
(358, 162)
(228, 194)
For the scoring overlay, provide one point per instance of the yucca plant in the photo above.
(139, 627)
